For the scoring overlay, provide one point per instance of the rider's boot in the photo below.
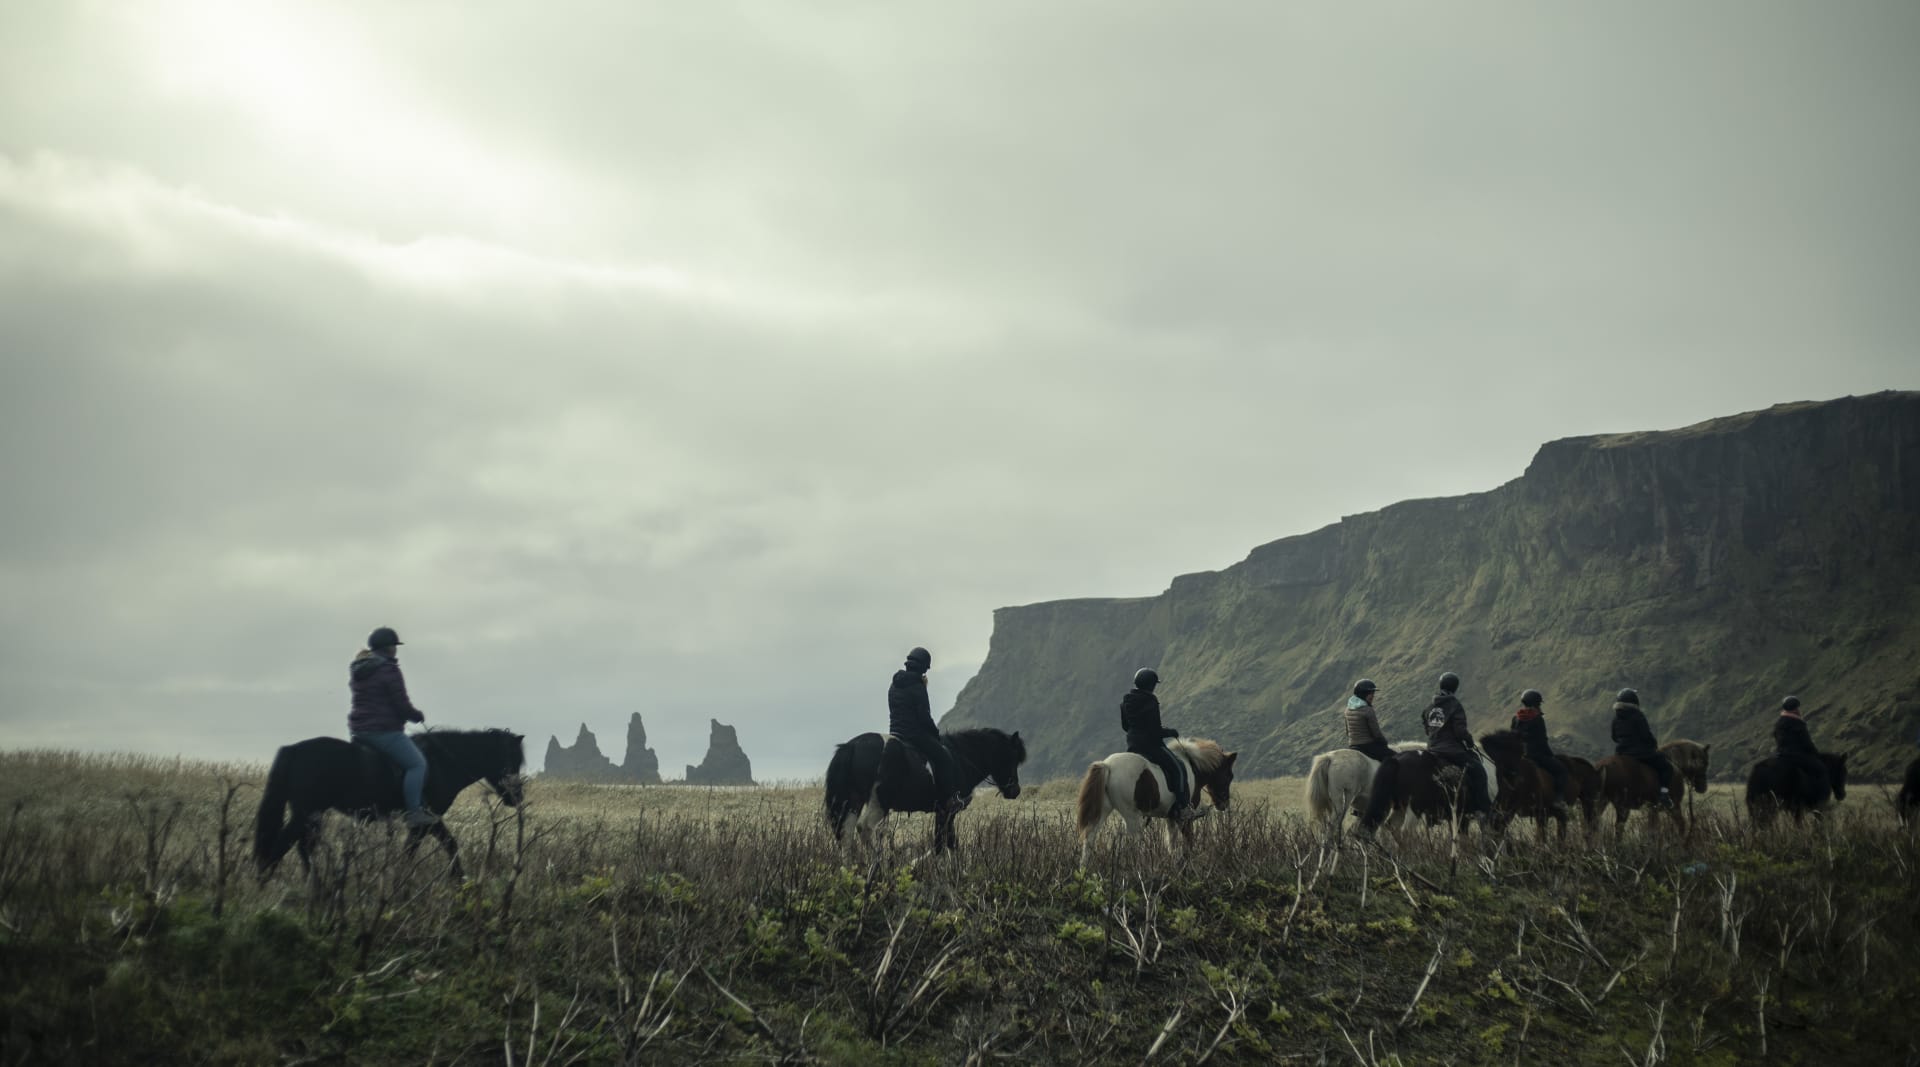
(419, 818)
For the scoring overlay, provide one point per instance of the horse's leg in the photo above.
(306, 837)
(439, 830)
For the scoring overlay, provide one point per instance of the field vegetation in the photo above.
(689, 925)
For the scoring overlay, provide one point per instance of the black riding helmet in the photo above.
(1627, 696)
(1449, 682)
(1790, 704)
(919, 661)
(1365, 688)
(1531, 698)
(384, 637)
(1145, 679)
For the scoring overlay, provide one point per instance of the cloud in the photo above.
(700, 361)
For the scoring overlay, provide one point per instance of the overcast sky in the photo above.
(700, 359)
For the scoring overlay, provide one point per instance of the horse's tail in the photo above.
(846, 795)
(271, 820)
(1093, 797)
(1319, 792)
(1386, 785)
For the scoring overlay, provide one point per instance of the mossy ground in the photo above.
(608, 925)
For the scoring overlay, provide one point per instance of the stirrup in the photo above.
(419, 818)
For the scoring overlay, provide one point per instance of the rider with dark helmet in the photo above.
(1532, 728)
(1363, 725)
(1449, 740)
(1794, 745)
(380, 714)
(910, 718)
(1140, 718)
(1633, 737)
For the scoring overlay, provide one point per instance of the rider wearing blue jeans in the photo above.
(381, 711)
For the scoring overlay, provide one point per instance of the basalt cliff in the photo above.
(1714, 568)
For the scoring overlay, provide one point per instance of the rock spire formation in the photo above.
(583, 761)
(1714, 568)
(725, 763)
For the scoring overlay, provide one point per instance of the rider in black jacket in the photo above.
(1531, 725)
(1794, 745)
(1633, 737)
(1449, 740)
(1140, 718)
(910, 718)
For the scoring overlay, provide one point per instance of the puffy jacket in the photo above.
(1363, 723)
(1140, 718)
(1446, 723)
(1790, 736)
(1532, 728)
(1631, 734)
(909, 712)
(380, 702)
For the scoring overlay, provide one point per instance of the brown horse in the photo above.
(1626, 783)
(1583, 787)
(1417, 783)
(1526, 789)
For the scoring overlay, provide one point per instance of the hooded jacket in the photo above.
(1631, 734)
(1532, 728)
(1140, 718)
(1446, 723)
(380, 702)
(1791, 737)
(909, 712)
(1363, 723)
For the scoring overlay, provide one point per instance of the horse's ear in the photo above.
(1231, 756)
(1843, 756)
(1016, 735)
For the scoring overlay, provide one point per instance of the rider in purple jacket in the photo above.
(381, 711)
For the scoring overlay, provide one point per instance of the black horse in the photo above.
(323, 773)
(874, 774)
(1776, 784)
(1909, 801)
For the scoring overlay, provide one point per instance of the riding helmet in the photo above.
(1627, 696)
(1145, 679)
(1790, 704)
(1365, 688)
(1531, 698)
(1449, 682)
(384, 637)
(919, 660)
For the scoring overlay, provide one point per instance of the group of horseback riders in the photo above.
(1449, 740)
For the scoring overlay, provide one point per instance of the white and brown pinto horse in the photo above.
(1133, 787)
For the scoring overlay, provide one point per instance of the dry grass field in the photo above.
(691, 925)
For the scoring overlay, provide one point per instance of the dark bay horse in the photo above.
(1131, 786)
(325, 773)
(1775, 785)
(1416, 782)
(872, 775)
(1908, 803)
(1583, 781)
(1626, 783)
(1526, 789)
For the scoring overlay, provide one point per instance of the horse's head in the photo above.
(1005, 770)
(1836, 773)
(1506, 749)
(1212, 768)
(1690, 759)
(994, 753)
(507, 754)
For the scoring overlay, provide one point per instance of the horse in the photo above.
(326, 773)
(1583, 785)
(1133, 787)
(1526, 789)
(872, 775)
(1338, 782)
(1415, 782)
(1775, 784)
(1626, 783)
(1908, 802)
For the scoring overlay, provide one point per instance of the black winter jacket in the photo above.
(1791, 738)
(909, 712)
(1631, 734)
(1532, 729)
(1140, 718)
(1446, 723)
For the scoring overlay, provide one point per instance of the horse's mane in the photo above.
(1205, 753)
(987, 735)
(447, 739)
